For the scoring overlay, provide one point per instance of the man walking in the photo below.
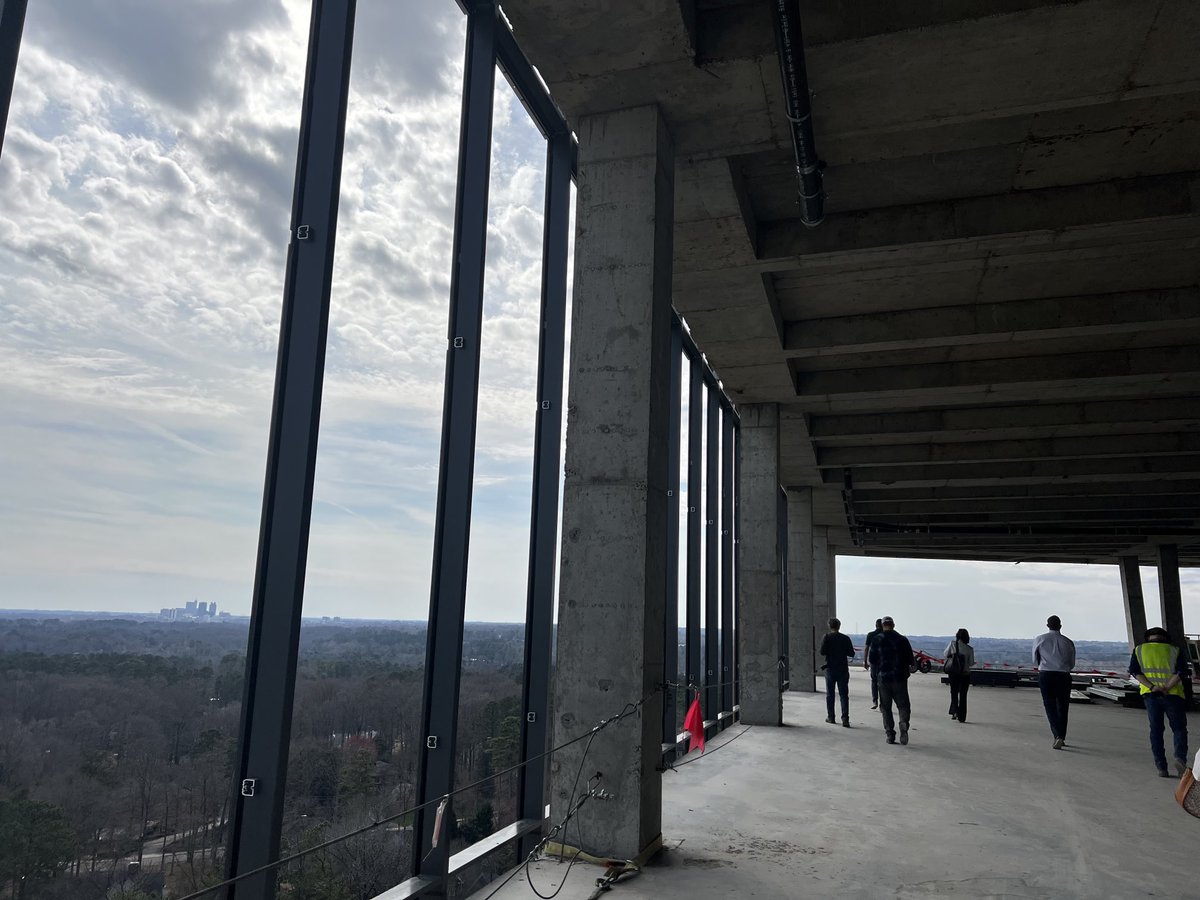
(1054, 656)
(892, 657)
(867, 644)
(1160, 668)
(837, 650)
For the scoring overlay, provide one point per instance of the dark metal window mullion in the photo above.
(695, 476)
(671, 695)
(737, 572)
(12, 23)
(547, 464)
(781, 544)
(712, 551)
(726, 560)
(443, 651)
(254, 836)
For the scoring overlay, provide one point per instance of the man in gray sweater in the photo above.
(1054, 656)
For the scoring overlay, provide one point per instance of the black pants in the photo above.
(841, 681)
(1056, 697)
(958, 695)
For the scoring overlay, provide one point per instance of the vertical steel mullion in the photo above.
(671, 611)
(274, 636)
(726, 561)
(781, 543)
(12, 24)
(693, 650)
(547, 463)
(456, 472)
(712, 550)
(737, 563)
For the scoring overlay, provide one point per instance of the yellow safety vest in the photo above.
(1158, 664)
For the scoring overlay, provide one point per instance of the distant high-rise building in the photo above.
(190, 606)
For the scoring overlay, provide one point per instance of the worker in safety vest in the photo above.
(1160, 667)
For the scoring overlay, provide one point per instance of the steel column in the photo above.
(695, 477)
(781, 525)
(712, 557)
(547, 463)
(737, 565)
(1169, 596)
(1135, 603)
(452, 531)
(12, 24)
(670, 720)
(726, 561)
(291, 457)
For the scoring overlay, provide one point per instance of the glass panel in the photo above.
(489, 714)
(145, 191)
(357, 707)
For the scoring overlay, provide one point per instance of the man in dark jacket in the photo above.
(837, 650)
(872, 637)
(893, 657)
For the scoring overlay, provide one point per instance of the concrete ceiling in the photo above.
(991, 346)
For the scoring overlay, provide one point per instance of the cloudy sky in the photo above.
(145, 190)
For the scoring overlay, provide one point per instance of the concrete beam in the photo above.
(1143, 372)
(994, 323)
(614, 562)
(936, 496)
(758, 631)
(981, 218)
(1107, 446)
(1159, 468)
(1033, 420)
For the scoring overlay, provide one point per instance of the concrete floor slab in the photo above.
(984, 809)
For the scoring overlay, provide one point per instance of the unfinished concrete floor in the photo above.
(981, 810)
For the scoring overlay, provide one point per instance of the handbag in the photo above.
(954, 664)
(1187, 794)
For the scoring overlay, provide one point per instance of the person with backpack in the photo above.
(960, 659)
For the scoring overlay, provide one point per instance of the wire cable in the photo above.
(673, 766)
(630, 709)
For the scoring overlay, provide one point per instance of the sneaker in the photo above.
(1180, 766)
(875, 706)
(891, 739)
(829, 719)
(1058, 743)
(904, 735)
(845, 723)
(1163, 773)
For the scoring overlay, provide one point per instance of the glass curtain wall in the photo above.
(144, 196)
(357, 708)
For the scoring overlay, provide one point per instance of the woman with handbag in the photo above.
(960, 657)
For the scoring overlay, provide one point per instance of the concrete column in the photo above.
(1135, 603)
(1169, 596)
(800, 590)
(822, 579)
(614, 560)
(758, 566)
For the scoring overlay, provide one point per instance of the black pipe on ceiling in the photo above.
(790, 44)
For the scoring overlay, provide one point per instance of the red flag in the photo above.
(693, 722)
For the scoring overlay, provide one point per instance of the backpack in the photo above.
(955, 663)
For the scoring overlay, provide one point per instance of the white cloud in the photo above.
(146, 184)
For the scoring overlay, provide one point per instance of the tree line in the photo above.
(117, 744)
